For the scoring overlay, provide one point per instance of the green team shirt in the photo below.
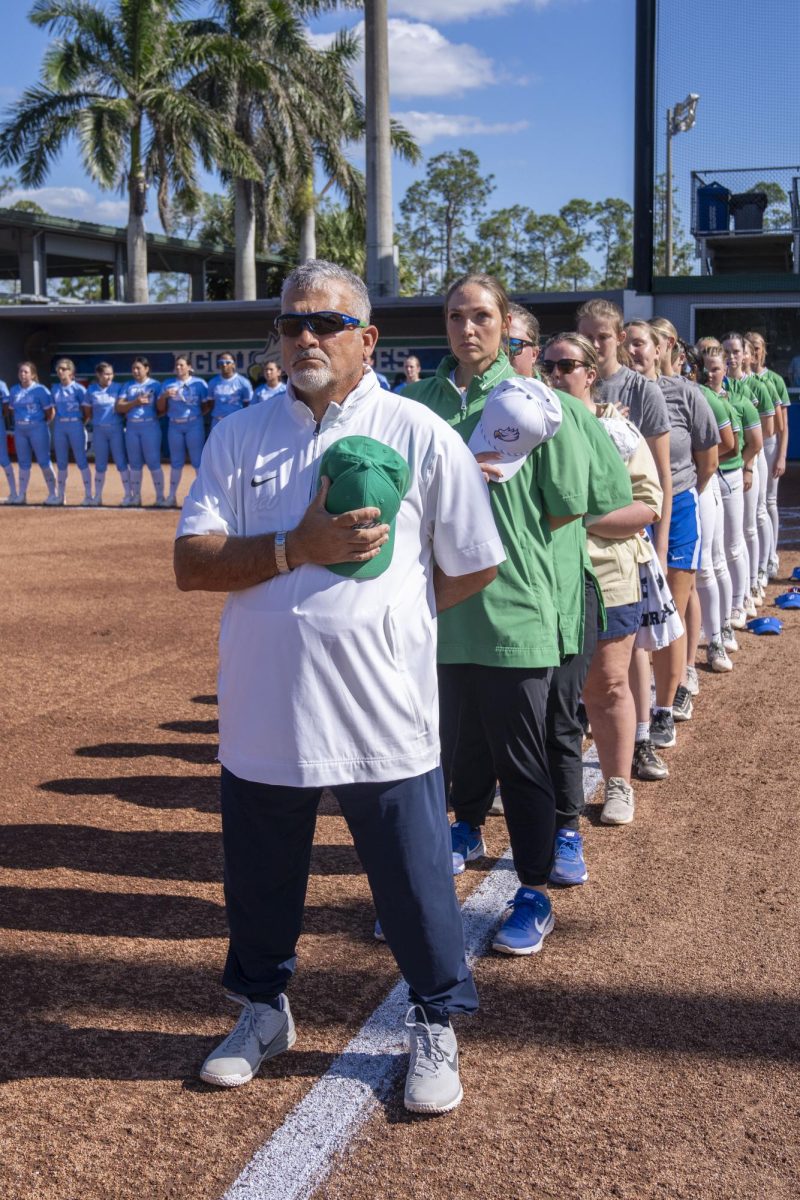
(779, 384)
(518, 620)
(719, 407)
(745, 416)
(756, 391)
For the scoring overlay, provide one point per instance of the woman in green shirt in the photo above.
(496, 657)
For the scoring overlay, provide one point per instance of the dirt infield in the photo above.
(651, 1050)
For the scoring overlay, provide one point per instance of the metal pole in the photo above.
(668, 200)
(381, 274)
(644, 146)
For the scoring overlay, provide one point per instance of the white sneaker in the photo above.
(692, 681)
(738, 619)
(718, 658)
(619, 805)
(432, 1083)
(773, 567)
(729, 639)
(261, 1032)
(756, 597)
(749, 608)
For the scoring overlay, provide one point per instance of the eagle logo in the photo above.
(509, 434)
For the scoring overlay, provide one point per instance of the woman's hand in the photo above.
(486, 460)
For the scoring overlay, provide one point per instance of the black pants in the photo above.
(401, 835)
(564, 731)
(492, 722)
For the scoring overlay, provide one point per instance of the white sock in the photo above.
(174, 480)
(99, 484)
(12, 483)
(643, 731)
(158, 483)
(657, 708)
(50, 479)
(62, 481)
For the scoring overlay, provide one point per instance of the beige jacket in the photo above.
(616, 560)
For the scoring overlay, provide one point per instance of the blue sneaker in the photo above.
(527, 925)
(568, 867)
(378, 933)
(468, 844)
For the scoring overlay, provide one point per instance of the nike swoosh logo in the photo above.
(257, 482)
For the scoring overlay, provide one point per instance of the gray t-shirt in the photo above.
(693, 426)
(627, 389)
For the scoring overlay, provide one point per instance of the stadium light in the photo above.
(680, 119)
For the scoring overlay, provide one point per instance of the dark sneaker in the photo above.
(647, 764)
(261, 1032)
(432, 1083)
(662, 729)
(467, 845)
(569, 867)
(527, 925)
(682, 707)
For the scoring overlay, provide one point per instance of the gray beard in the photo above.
(312, 379)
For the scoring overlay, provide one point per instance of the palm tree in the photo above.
(121, 81)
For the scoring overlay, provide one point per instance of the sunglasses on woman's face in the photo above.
(565, 365)
(319, 323)
(517, 345)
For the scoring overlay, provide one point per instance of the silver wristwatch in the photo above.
(281, 561)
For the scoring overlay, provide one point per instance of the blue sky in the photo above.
(541, 90)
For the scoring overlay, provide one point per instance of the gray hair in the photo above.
(317, 273)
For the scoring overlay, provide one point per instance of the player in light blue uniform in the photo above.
(108, 428)
(5, 461)
(272, 386)
(187, 401)
(32, 406)
(228, 391)
(69, 402)
(139, 402)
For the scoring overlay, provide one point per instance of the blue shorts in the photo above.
(622, 620)
(683, 553)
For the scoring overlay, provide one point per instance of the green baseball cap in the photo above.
(365, 473)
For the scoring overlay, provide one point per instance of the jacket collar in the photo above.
(364, 394)
(480, 385)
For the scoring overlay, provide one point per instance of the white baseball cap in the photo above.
(519, 414)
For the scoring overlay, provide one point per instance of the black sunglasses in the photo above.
(565, 365)
(293, 324)
(517, 345)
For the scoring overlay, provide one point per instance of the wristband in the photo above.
(281, 561)
(747, 470)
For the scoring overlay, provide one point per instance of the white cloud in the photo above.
(445, 11)
(73, 202)
(427, 126)
(422, 62)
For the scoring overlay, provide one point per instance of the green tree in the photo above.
(501, 247)
(459, 191)
(121, 79)
(612, 237)
(574, 266)
(778, 214)
(418, 236)
(549, 245)
(682, 248)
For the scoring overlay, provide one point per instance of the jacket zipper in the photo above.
(314, 445)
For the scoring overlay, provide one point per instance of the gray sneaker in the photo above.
(718, 657)
(618, 806)
(662, 729)
(261, 1032)
(692, 681)
(682, 704)
(432, 1082)
(646, 763)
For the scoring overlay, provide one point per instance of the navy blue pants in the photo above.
(401, 835)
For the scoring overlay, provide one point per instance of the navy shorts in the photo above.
(683, 553)
(622, 620)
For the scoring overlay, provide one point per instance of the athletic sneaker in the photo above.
(773, 567)
(647, 764)
(718, 657)
(756, 597)
(738, 618)
(763, 580)
(468, 844)
(682, 704)
(261, 1032)
(729, 639)
(497, 809)
(527, 925)
(569, 867)
(432, 1083)
(692, 682)
(53, 500)
(583, 718)
(662, 729)
(618, 805)
(750, 607)
(378, 933)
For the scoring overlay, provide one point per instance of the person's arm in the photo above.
(780, 462)
(122, 405)
(557, 522)
(162, 399)
(767, 424)
(86, 412)
(624, 522)
(211, 562)
(753, 444)
(49, 413)
(451, 590)
(706, 463)
(727, 442)
(659, 448)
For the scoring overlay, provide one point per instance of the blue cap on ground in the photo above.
(765, 625)
(788, 600)
(796, 573)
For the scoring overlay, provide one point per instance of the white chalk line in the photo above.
(300, 1153)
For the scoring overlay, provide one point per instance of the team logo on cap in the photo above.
(509, 434)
